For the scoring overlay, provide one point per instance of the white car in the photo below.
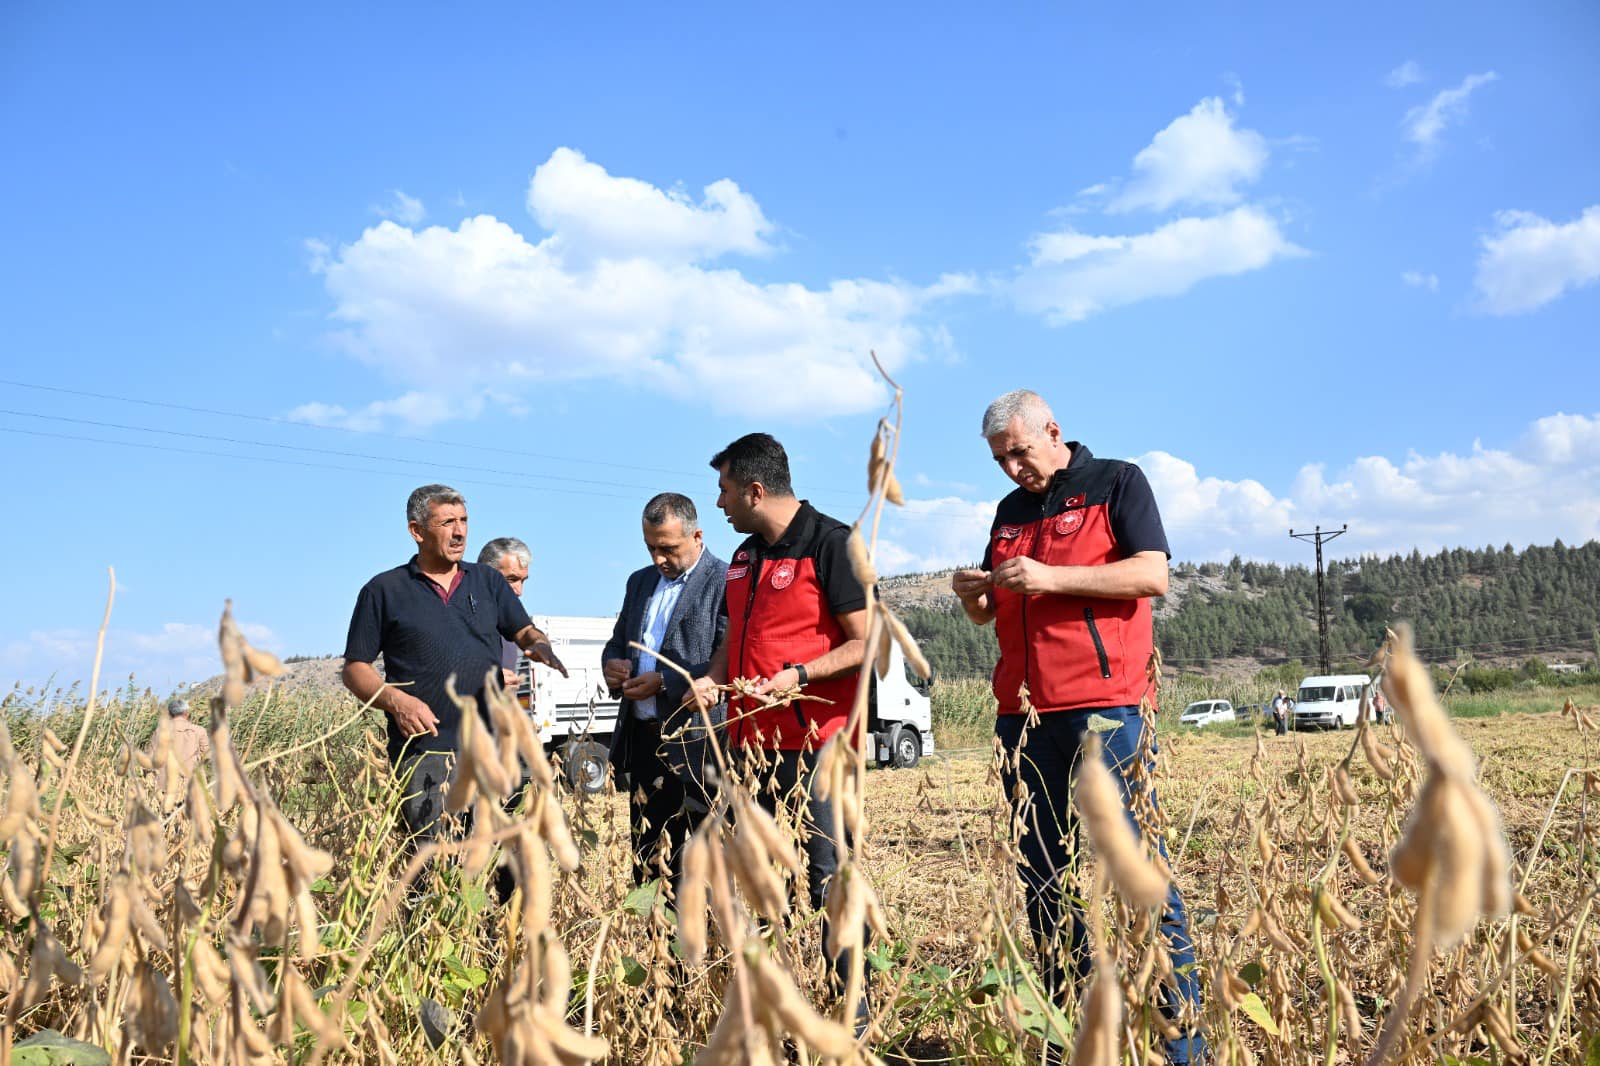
(1205, 712)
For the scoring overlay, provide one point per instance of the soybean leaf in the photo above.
(1099, 723)
(50, 1048)
(633, 973)
(642, 900)
(1251, 1004)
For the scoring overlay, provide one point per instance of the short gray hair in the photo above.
(177, 706)
(1018, 403)
(665, 505)
(499, 547)
(420, 505)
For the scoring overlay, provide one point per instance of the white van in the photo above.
(576, 716)
(1329, 702)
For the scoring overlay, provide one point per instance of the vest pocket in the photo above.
(1099, 645)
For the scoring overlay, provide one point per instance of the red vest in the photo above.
(778, 615)
(1074, 652)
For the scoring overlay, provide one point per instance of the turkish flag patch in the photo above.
(783, 574)
(1068, 522)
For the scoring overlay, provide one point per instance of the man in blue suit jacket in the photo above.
(674, 607)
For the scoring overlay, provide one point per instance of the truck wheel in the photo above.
(586, 765)
(905, 748)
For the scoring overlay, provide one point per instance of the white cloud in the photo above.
(1074, 275)
(413, 408)
(1407, 73)
(407, 210)
(1543, 486)
(1529, 261)
(590, 210)
(620, 289)
(1200, 158)
(1418, 280)
(174, 654)
(934, 533)
(1425, 123)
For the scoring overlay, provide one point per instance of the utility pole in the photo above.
(1318, 536)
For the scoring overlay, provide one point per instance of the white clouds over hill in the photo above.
(176, 653)
(1546, 485)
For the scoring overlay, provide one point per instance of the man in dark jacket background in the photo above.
(673, 606)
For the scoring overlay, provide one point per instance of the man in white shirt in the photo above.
(674, 607)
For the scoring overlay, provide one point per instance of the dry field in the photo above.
(154, 936)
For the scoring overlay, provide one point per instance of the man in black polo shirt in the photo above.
(434, 618)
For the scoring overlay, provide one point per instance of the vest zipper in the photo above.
(1099, 645)
(744, 630)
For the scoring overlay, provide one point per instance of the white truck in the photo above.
(1331, 701)
(576, 717)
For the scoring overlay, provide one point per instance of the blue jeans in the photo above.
(1050, 848)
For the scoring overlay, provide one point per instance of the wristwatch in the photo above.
(800, 669)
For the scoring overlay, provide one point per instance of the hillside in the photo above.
(1493, 605)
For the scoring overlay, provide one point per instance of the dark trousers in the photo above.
(1280, 723)
(655, 805)
(424, 777)
(1050, 849)
(791, 779)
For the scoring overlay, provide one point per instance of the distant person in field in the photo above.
(512, 558)
(1280, 714)
(433, 618)
(673, 607)
(1074, 555)
(190, 742)
(797, 619)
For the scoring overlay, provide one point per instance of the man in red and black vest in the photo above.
(1074, 555)
(797, 618)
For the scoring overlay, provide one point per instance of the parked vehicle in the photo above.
(1205, 712)
(1329, 702)
(900, 719)
(1254, 712)
(576, 717)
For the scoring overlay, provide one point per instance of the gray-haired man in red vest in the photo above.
(1074, 555)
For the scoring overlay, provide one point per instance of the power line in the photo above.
(831, 493)
(312, 451)
(167, 405)
(287, 462)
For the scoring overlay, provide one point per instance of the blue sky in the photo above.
(281, 265)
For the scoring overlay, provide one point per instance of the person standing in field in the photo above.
(797, 621)
(1280, 714)
(1074, 555)
(432, 619)
(674, 607)
(512, 558)
(190, 742)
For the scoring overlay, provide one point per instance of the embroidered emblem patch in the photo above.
(1068, 522)
(1008, 532)
(1075, 501)
(783, 574)
(743, 556)
(737, 572)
